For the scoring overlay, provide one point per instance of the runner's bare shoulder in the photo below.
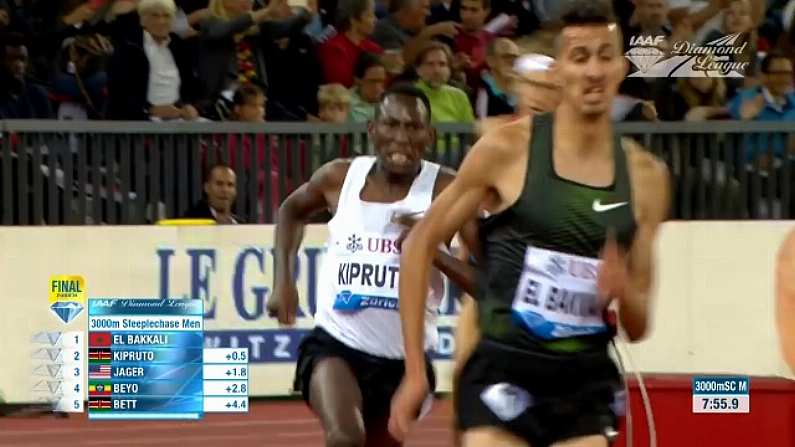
(505, 142)
(651, 174)
(332, 174)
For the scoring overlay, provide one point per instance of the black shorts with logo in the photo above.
(378, 377)
(540, 398)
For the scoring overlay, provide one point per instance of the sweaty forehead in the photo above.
(403, 108)
(590, 36)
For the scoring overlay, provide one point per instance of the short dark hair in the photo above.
(365, 62)
(485, 4)
(348, 10)
(208, 173)
(405, 89)
(13, 40)
(584, 13)
(587, 12)
(770, 57)
(246, 92)
(399, 5)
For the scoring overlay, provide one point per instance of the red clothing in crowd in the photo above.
(338, 57)
(474, 45)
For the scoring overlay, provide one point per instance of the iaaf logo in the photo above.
(687, 60)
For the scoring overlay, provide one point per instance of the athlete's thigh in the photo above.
(583, 441)
(492, 437)
(335, 397)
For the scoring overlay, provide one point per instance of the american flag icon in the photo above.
(99, 371)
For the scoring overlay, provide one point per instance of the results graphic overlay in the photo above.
(226, 380)
(145, 358)
(58, 369)
(716, 394)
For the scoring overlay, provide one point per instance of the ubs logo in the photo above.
(354, 243)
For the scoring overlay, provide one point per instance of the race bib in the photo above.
(363, 285)
(557, 295)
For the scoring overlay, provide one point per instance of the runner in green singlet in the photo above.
(574, 216)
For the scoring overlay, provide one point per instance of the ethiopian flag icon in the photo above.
(100, 389)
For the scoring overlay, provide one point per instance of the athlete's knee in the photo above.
(492, 437)
(585, 441)
(345, 437)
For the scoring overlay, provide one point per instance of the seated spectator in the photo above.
(448, 103)
(19, 97)
(774, 100)
(334, 102)
(695, 99)
(471, 43)
(494, 93)
(340, 53)
(370, 83)
(404, 28)
(220, 189)
(80, 82)
(249, 105)
(151, 75)
(231, 42)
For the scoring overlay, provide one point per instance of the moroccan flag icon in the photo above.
(100, 404)
(98, 339)
(100, 389)
(101, 355)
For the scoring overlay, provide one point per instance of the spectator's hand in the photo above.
(447, 29)
(121, 7)
(462, 62)
(752, 107)
(649, 111)
(189, 113)
(5, 20)
(699, 113)
(168, 112)
(199, 16)
(79, 14)
(393, 61)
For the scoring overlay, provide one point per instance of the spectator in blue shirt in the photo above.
(774, 100)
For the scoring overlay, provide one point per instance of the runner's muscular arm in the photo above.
(455, 206)
(319, 193)
(652, 186)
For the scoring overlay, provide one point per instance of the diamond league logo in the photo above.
(687, 60)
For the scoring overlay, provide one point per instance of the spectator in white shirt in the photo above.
(151, 75)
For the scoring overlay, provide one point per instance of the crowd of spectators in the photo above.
(329, 60)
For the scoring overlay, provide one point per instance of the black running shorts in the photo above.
(540, 398)
(378, 377)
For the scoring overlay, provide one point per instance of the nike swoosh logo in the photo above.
(600, 208)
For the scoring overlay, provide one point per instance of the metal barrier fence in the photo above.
(76, 173)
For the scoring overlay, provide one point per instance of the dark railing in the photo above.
(75, 173)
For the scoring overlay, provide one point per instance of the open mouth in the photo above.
(398, 158)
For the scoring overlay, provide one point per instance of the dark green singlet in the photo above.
(551, 213)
